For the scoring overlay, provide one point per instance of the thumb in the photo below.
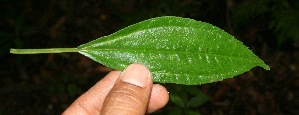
(131, 93)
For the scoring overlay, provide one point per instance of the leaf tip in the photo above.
(265, 66)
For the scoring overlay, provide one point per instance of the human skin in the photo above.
(131, 92)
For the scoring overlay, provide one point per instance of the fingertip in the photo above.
(137, 74)
(159, 98)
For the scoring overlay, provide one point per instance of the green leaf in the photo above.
(198, 100)
(177, 100)
(176, 50)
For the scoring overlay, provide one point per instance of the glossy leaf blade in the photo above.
(176, 50)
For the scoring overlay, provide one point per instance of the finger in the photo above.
(159, 98)
(131, 93)
(91, 101)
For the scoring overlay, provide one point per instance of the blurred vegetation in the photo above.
(275, 22)
(49, 83)
(184, 100)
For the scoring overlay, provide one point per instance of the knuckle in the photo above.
(127, 95)
(126, 99)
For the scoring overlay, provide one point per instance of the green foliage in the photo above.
(184, 100)
(280, 17)
(286, 22)
(176, 50)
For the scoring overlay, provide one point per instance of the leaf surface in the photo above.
(176, 50)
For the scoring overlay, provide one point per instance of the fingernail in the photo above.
(135, 74)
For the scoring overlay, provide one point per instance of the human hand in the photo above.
(128, 93)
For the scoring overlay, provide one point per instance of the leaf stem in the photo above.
(39, 51)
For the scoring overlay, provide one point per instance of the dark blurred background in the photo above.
(49, 83)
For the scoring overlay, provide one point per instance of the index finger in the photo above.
(91, 101)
